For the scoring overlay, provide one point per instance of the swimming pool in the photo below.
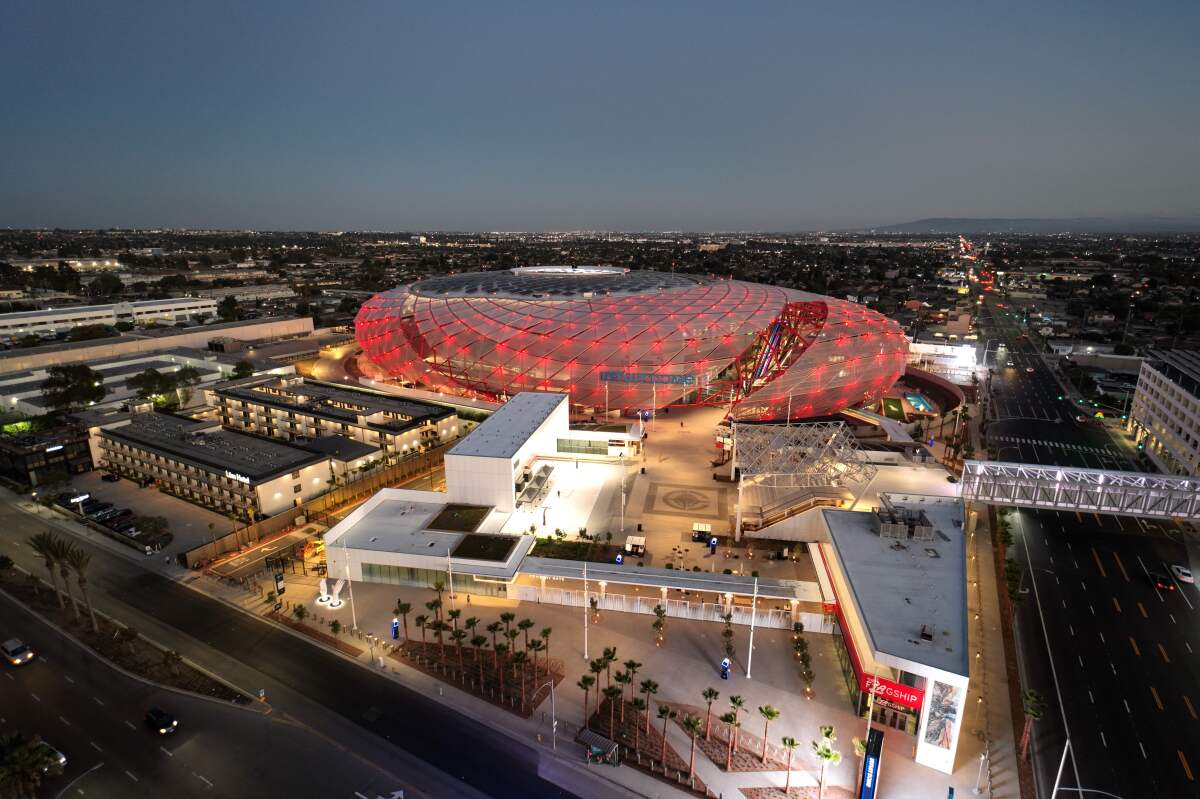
(919, 403)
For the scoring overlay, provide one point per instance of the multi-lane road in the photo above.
(1105, 649)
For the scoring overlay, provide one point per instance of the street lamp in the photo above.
(553, 716)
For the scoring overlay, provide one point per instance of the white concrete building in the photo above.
(1165, 414)
(50, 322)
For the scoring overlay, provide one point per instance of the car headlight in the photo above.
(162, 730)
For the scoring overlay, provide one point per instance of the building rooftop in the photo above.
(506, 430)
(99, 309)
(1182, 367)
(341, 448)
(900, 586)
(553, 282)
(332, 401)
(209, 446)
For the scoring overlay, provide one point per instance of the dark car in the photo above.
(117, 519)
(110, 478)
(161, 721)
(98, 509)
(1161, 581)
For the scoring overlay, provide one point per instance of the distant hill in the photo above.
(1089, 224)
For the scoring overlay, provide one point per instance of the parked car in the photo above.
(120, 517)
(105, 514)
(161, 721)
(16, 652)
(1183, 574)
(110, 478)
(1161, 581)
(58, 756)
(101, 507)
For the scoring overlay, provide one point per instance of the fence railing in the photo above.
(676, 608)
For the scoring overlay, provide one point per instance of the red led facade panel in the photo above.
(640, 338)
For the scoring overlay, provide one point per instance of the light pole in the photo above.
(753, 617)
(553, 716)
(350, 585)
(979, 777)
(585, 611)
(621, 460)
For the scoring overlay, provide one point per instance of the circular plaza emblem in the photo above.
(682, 499)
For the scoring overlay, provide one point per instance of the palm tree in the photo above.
(453, 616)
(623, 678)
(632, 666)
(769, 714)
(479, 642)
(79, 559)
(535, 646)
(457, 637)
(828, 756)
(524, 625)
(596, 667)
(402, 610)
(546, 631)
(638, 706)
(493, 628)
(507, 617)
(434, 606)
(737, 703)
(666, 714)
(518, 663)
(299, 612)
(730, 719)
(585, 683)
(609, 656)
(710, 695)
(693, 725)
(24, 763)
(611, 693)
(500, 650)
(43, 546)
(62, 549)
(470, 623)
(649, 688)
(420, 621)
(1032, 704)
(790, 744)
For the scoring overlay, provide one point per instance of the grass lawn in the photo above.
(460, 518)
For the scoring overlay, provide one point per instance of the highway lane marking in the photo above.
(1116, 604)
(1189, 647)
(1080, 660)
(359, 795)
(1163, 652)
(1102, 639)
(36, 698)
(1083, 585)
(1191, 709)
(1144, 755)
(1127, 710)
(1133, 644)
(64, 721)
(1099, 565)
(1157, 701)
(1072, 629)
(1147, 571)
(1064, 602)
(1114, 671)
(67, 677)
(1171, 616)
(98, 701)
(166, 751)
(130, 775)
(1142, 608)
(204, 780)
(1187, 770)
(9, 676)
(1103, 740)
(1121, 566)
(130, 724)
(1091, 698)
(1075, 562)
(96, 746)
(1092, 609)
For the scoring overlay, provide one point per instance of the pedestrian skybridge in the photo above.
(1026, 485)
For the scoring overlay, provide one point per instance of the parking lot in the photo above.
(188, 523)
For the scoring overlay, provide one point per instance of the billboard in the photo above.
(869, 782)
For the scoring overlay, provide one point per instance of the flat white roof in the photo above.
(506, 430)
(899, 586)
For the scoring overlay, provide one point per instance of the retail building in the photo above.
(1165, 413)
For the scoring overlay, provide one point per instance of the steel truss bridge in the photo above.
(1154, 496)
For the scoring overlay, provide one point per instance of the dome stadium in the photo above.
(633, 340)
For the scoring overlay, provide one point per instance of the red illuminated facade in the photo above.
(635, 339)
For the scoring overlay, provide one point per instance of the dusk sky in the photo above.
(539, 116)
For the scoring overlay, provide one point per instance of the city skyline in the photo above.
(776, 118)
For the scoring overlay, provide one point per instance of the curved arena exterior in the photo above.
(634, 340)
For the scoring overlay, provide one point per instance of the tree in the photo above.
(639, 706)
(479, 642)
(665, 713)
(79, 560)
(44, 547)
(1034, 707)
(632, 666)
(545, 636)
(535, 646)
(524, 625)
(243, 368)
(609, 656)
(299, 612)
(348, 305)
(612, 693)
(89, 332)
(72, 386)
(710, 695)
(228, 309)
(335, 627)
(186, 379)
(790, 744)
(731, 720)
(402, 610)
(585, 684)
(693, 725)
(649, 688)
(737, 703)
(106, 284)
(494, 628)
(457, 637)
(660, 623)
(828, 756)
(769, 714)
(24, 763)
(152, 384)
(152, 526)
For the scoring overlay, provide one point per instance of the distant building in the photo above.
(1165, 414)
(51, 322)
(29, 459)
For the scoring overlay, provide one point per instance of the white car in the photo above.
(57, 756)
(1182, 574)
(16, 651)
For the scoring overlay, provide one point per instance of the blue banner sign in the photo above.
(870, 772)
(647, 378)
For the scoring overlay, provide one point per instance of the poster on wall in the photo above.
(944, 702)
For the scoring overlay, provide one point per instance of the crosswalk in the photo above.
(1059, 445)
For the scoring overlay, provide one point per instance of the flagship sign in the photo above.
(241, 478)
(647, 378)
(892, 691)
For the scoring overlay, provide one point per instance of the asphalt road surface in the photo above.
(427, 744)
(1123, 652)
(93, 714)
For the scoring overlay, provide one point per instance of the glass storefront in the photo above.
(425, 578)
(883, 711)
